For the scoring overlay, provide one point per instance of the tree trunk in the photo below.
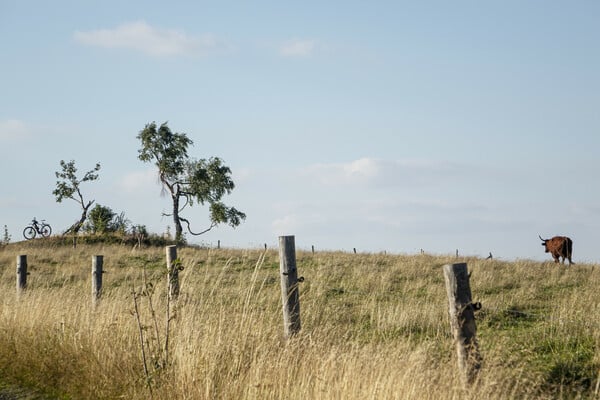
(77, 225)
(176, 220)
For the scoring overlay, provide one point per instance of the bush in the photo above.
(102, 219)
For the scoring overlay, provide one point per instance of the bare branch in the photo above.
(212, 225)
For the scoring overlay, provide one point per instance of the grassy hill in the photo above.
(374, 326)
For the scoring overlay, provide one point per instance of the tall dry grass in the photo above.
(373, 327)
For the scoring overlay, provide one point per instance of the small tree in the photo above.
(67, 187)
(188, 180)
(6, 237)
(100, 219)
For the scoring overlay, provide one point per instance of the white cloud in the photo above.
(370, 171)
(358, 171)
(149, 40)
(12, 129)
(297, 48)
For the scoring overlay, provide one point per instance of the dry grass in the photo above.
(373, 327)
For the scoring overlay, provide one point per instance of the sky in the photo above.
(386, 126)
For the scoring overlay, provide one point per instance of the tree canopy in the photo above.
(102, 219)
(188, 181)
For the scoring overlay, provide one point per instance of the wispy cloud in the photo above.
(298, 48)
(142, 37)
(369, 171)
(13, 129)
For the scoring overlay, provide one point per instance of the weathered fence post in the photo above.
(21, 273)
(97, 263)
(173, 272)
(462, 320)
(289, 285)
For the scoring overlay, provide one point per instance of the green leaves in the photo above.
(197, 181)
(219, 213)
(168, 150)
(208, 181)
(68, 184)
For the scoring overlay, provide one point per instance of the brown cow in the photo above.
(559, 246)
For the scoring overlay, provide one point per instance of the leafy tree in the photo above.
(67, 187)
(100, 219)
(139, 230)
(187, 180)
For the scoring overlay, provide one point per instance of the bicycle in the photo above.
(41, 228)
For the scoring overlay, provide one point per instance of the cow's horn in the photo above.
(543, 240)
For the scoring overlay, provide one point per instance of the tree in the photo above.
(67, 187)
(187, 180)
(6, 237)
(102, 219)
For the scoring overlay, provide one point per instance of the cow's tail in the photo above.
(570, 250)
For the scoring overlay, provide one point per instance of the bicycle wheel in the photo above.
(46, 230)
(29, 232)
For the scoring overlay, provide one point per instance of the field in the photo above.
(374, 326)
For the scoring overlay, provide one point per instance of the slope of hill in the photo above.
(373, 326)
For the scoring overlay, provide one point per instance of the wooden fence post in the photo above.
(289, 285)
(172, 272)
(97, 263)
(21, 273)
(462, 320)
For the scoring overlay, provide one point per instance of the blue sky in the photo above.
(393, 126)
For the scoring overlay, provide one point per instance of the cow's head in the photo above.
(544, 243)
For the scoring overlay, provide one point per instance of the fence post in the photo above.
(289, 285)
(462, 320)
(97, 263)
(172, 272)
(21, 273)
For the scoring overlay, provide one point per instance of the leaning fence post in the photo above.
(172, 272)
(289, 285)
(462, 320)
(97, 263)
(21, 273)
